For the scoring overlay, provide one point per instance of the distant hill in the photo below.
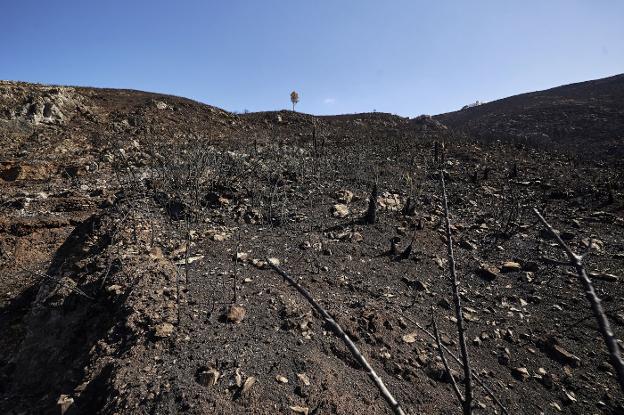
(590, 112)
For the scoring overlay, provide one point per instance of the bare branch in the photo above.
(444, 361)
(603, 322)
(393, 403)
(459, 315)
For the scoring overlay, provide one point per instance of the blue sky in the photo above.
(406, 57)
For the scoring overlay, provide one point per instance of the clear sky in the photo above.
(406, 56)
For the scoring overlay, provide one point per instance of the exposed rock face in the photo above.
(51, 105)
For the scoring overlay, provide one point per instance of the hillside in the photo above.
(586, 113)
(135, 230)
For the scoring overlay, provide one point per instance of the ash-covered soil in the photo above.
(587, 117)
(135, 229)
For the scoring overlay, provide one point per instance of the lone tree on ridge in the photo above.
(294, 98)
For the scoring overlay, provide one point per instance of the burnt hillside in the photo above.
(581, 114)
(137, 232)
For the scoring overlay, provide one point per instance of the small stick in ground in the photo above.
(371, 213)
(235, 282)
(466, 403)
(601, 318)
(394, 405)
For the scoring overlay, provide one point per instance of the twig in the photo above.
(603, 322)
(466, 403)
(394, 405)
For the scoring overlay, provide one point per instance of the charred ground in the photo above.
(587, 117)
(132, 222)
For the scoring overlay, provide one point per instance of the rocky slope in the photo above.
(134, 232)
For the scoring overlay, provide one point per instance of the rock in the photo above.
(238, 377)
(487, 272)
(208, 377)
(389, 201)
(219, 237)
(595, 245)
(303, 378)
(161, 105)
(552, 347)
(356, 237)
(274, 261)
(344, 196)
(439, 261)
(64, 402)
(569, 397)
(235, 314)
(410, 338)
(281, 379)
(258, 263)
(249, 382)
(163, 330)
(566, 357)
(511, 266)
(340, 210)
(252, 216)
(189, 260)
(115, 289)
(223, 201)
(520, 373)
(241, 256)
(300, 409)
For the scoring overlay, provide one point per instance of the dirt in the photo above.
(136, 227)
